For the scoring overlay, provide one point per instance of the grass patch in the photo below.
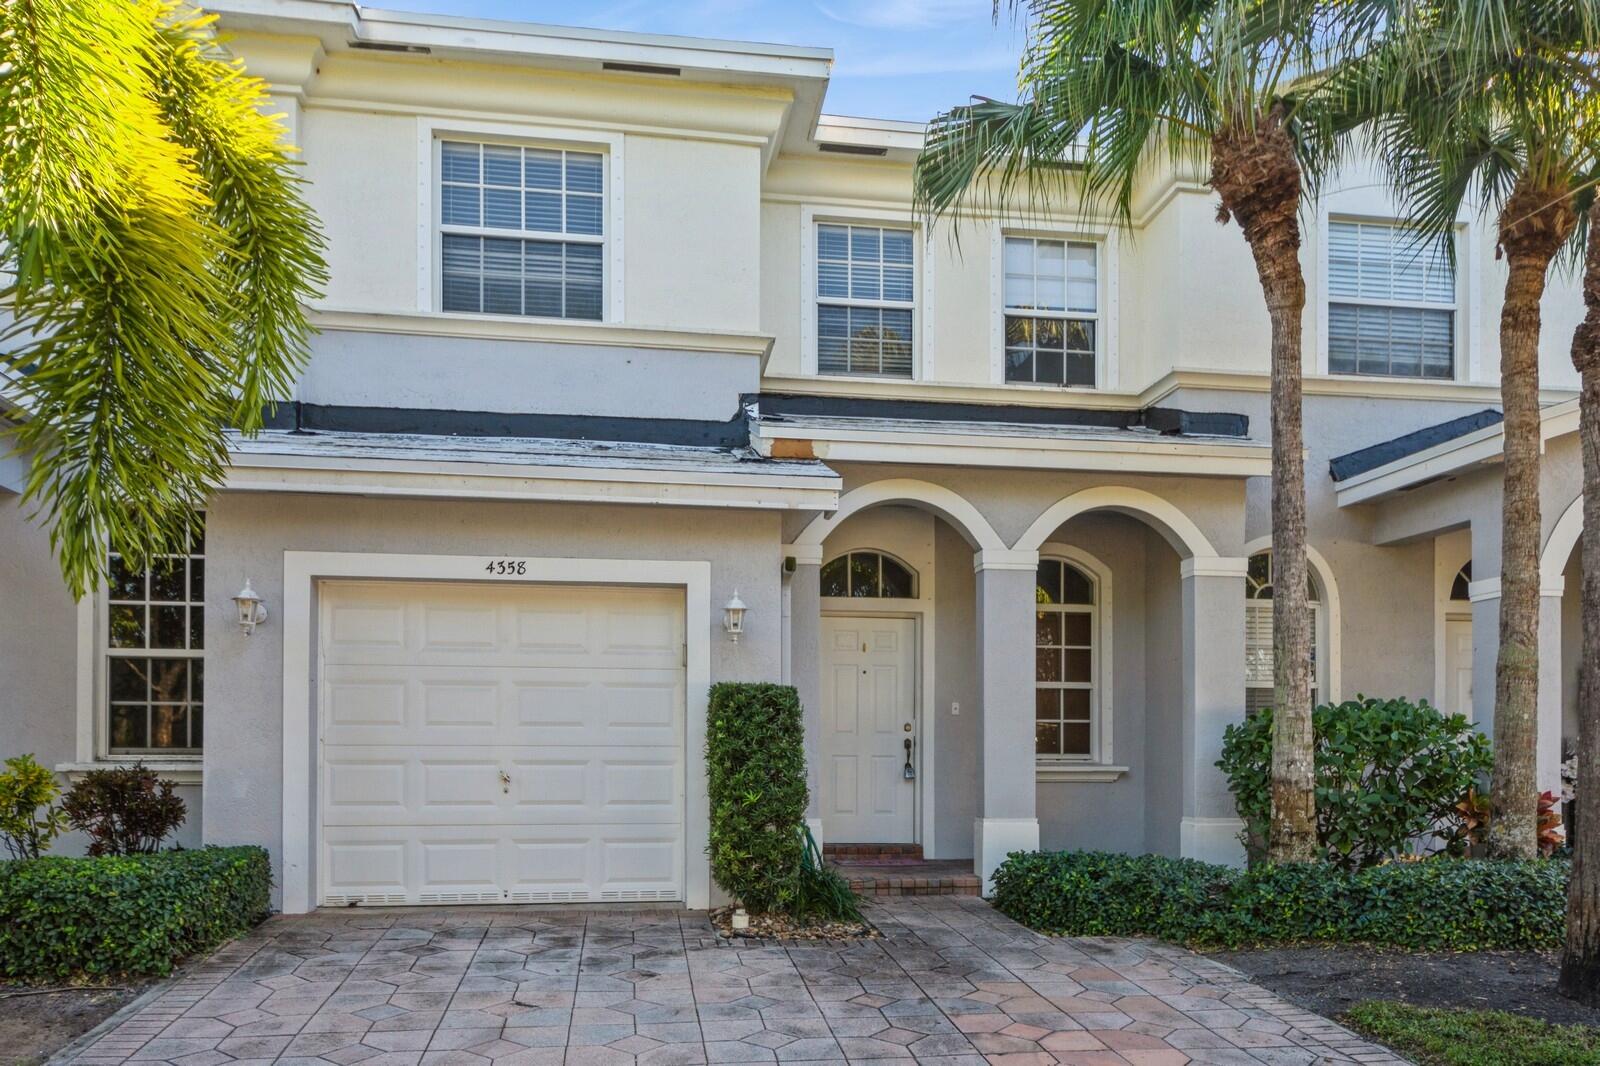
(1436, 1037)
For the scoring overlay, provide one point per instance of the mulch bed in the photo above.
(1331, 979)
(35, 1025)
(781, 927)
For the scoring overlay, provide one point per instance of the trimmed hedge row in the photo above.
(1433, 905)
(93, 918)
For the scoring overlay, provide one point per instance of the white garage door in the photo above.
(501, 743)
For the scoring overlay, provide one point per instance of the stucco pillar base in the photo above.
(1213, 840)
(815, 825)
(995, 838)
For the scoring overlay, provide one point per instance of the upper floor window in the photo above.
(490, 196)
(155, 660)
(869, 575)
(1065, 697)
(1051, 311)
(866, 300)
(1258, 653)
(1391, 302)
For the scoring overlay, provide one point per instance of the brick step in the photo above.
(923, 878)
(861, 852)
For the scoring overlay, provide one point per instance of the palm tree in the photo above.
(1476, 102)
(1106, 85)
(156, 253)
(1580, 961)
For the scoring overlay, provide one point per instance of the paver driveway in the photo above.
(952, 982)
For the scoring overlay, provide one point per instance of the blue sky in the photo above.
(905, 59)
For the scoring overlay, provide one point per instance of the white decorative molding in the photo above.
(178, 771)
(465, 326)
(1489, 588)
(1004, 559)
(1558, 547)
(1213, 566)
(1085, 772)
(804, 554)
(1176, 526)
(947, 504)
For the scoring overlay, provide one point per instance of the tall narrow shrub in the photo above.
(756, 779)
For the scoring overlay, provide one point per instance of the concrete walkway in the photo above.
(952, 983)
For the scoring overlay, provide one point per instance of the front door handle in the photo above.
(910, 771)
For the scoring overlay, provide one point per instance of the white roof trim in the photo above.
(1018, 446)
(1480, 447)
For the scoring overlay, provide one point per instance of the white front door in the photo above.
(869, 711)
(501, 743)
(1458, 666)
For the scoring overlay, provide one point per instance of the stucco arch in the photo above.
(1558, 546)
(1330, 599)
(951, 506)
(1179, 529)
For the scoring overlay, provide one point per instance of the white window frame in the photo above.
(1101, 663)
(430, 244)
(1465, 358)
(1325, 622)
(811, 216)
(1107, 366)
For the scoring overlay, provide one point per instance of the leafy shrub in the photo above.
(822, 892)
(29, 818)
(1387, 772)
(94, 918)
(1434, 904)
(126, 810)
(756, 780)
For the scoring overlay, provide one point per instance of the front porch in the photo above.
(990, 665)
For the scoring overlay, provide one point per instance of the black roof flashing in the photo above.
(1346, 466)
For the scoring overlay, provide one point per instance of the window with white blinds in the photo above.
(490, 197)
(1258, 657)
(866, 300)
(1391, 302)
(1051, 312)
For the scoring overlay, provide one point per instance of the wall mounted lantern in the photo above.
(252, 612)
(733, 616)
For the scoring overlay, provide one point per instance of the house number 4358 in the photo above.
(507, 567)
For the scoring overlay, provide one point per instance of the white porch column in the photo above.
(805, 662)
(1007, 816)
(1213, 698)
(1485, 594)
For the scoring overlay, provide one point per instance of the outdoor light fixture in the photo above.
(733, 616)
(252, 612)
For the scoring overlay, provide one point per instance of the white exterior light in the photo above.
(733, 616)
(252, 612)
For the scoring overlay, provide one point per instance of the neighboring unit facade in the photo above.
(621, 331)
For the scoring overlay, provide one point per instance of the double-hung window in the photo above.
(1391, 302)
(522, 230)
(1052, 300)
(154, 638)
(866, 300)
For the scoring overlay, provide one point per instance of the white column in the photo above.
(1213, 698)
(805, 662)
(1007, 816)
(1548, 759)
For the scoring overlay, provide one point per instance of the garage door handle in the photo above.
(505, 782)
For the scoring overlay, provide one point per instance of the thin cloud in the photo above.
(910, 14)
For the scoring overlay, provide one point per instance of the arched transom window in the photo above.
(869, 575)
(1258, 633)
(1460, 588)
(1064, 662)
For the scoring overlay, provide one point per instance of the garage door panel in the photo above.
(430, 693)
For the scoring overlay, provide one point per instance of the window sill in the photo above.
(178, 771)
(1085, 771)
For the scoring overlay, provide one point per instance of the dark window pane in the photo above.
(1076, 587)
(197, 627)
(1258, 577)
(1047, 664)
(1078, 665)
(1075, 704)
(1075, 629)
(197, 580)
(1047, 704)
(127, 679)
(1459, 587)
(1078, 369)
(1075, 738)
(1047, 333)
(169, 582)
(127, 627)
(168, 627)
(1048, 368)
(1019, 364)
(169, 680)
(864, 575)
(1047, 628)
(1078, 336)
(1019, 332)
(897, 580)
(1047, 738)
(197, 670)
(169, 727)
(836, 577)
(1049, 585)
(128, 727)
(197, 538)
(196, 727)
(125, 583)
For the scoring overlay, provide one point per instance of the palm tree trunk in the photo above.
(1535, 221)
(1580, 961)
(1256, 173)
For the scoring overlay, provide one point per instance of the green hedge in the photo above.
(1433, 905)
(93, 918)
(756, 781)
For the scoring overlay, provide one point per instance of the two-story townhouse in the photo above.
(624, 334)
